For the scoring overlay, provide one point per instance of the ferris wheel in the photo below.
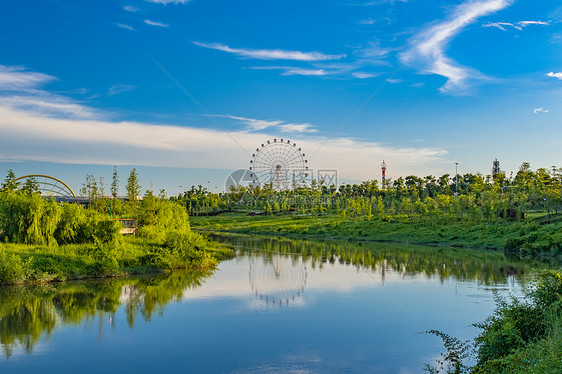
(279, 163)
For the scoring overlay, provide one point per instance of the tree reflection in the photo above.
(483, 266)
(28, 313)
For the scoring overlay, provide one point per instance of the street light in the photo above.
(456, 179)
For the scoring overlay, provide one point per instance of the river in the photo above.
(280, 306)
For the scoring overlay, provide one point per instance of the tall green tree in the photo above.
(133, 187)
(90, 188)
(115, 183)
(9, 183)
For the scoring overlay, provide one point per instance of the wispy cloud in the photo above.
(540, 110)
(361, 75)
(258, 124)
(136, 143)
(306, 72)
(154, 23)
(518, 25)
(381, 2)
(292, 127)
(427, 50)
(555, 75)
(165, 2)
(20, 90)
(120, 88)
(47, 105)
(393, 81)
(270, 54)
(131, 8)
(253, 124)
(18, 78)
(292, 70)
(124, 26)
(39, 126)
(372, 51)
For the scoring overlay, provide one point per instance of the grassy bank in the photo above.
(521, 336)
(24, 263)
(533, 236)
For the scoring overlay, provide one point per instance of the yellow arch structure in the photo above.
(48, 177)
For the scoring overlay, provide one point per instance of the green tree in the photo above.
(30, 186)
(9, 183)
(115, 183)
(133, 187)
(90, 188)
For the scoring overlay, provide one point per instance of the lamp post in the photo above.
(456, 179)
(383, 169)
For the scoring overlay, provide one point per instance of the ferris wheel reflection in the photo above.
(277, 280)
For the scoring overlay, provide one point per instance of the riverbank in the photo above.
(26, 264)
(531, 237)
(523, 335)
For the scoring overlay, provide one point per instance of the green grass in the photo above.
(527, 237)
(20, 263)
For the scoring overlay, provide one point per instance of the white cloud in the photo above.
(165, 2)
(361, 75)
(427, 51)
(47, 105)
(373, 50)
(21, 92)
(291, 70)
(291, 127)
(126, 27)
(518, 26)
(258, 124)
(393, 81)
(120, 88)
(555, 75)
(253, 124)
(154, 23)
(540, 110)
(17, 78)
(30, 136)
(380, 2)
(39, 126)
(131, 8)
(271, 54)
(501, 25)
(306, 72)
(527, 23)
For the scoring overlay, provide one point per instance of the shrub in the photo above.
(158, 217)
(13, 269)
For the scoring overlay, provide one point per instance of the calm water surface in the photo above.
(280, 306)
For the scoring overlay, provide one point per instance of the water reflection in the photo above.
(486, 267)
(28, 313)
(274, 273)
(277, 280)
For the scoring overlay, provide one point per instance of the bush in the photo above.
(104, 261)
(80, 225)
(520, 325)
(13, 269)
(158, 217)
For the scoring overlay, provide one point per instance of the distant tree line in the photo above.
(471, 197)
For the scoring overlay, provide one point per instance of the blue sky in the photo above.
(185, 90)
